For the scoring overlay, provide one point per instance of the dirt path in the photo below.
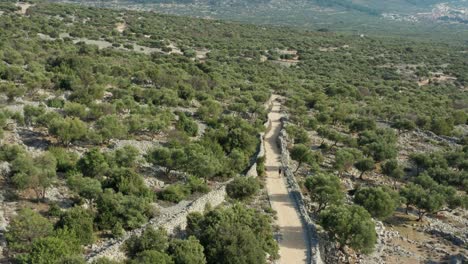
(292, 241)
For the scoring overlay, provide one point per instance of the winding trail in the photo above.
(293, 246)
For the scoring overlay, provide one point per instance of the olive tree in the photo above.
(37, 173)
(364, 165)
(350, 225)
(303, 155)
(187, 251)
(68, 130)
(393, 169)
(379, 202)
(324, 189)
(26, 227)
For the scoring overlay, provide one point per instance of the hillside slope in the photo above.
(113, 119)
(439, 20)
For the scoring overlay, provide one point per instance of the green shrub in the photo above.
(150, 239)
(242, 188)
(55, 102)
(174, 193)
(261, 171)
(66, 160)
(197, 185)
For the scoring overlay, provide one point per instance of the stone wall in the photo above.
(176, 219)
(252, 171)
(296, 195)
(172, 221)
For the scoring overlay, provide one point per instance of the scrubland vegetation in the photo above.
(97, 139)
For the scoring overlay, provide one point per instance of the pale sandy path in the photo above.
(292, 242)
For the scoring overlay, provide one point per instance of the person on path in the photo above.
(279, 171)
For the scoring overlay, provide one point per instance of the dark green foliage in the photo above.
(188, 251)
(379, 202)
(298, 134)
(441, 126)
(25, 228)
(75, 110)
(426, 201)
(242, 188)
(429, 196)
(79, 222)
(379, 144)
(324, 189)
(85, 187)
(37, 173)
(345, 159)
(365, 165)
(32, 114)
(304, 155)
(93, 164)
(12, 90)
(66, 160)
(197, 185)
(48, 250)
(55, 102)
(333, 135)
(11, 152)
(425, 161)
(362, 124)
(393, 169)
(202, 162)
(124, 157)
(233, 235)
(126, 211)
(128, 182)
(105, 261)
(73, 260)
(261, 171)
(195, 159)
(237, 244)
(421, 160)
(350, 225)
(238, 160)
(150, 239)
(174, 193)
(119, 94)
(152, 257)
(186, 124)
(403, 125)
(111, 127)
(68, 130)
(170, 159)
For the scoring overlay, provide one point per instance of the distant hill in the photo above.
(435, 19)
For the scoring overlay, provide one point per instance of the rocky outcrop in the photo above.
(458, 236)
(315, 252)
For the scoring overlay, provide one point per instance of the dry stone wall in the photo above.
(176, 219)
(172, 221)
(252, 172)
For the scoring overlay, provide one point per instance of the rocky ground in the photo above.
(441, 238)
